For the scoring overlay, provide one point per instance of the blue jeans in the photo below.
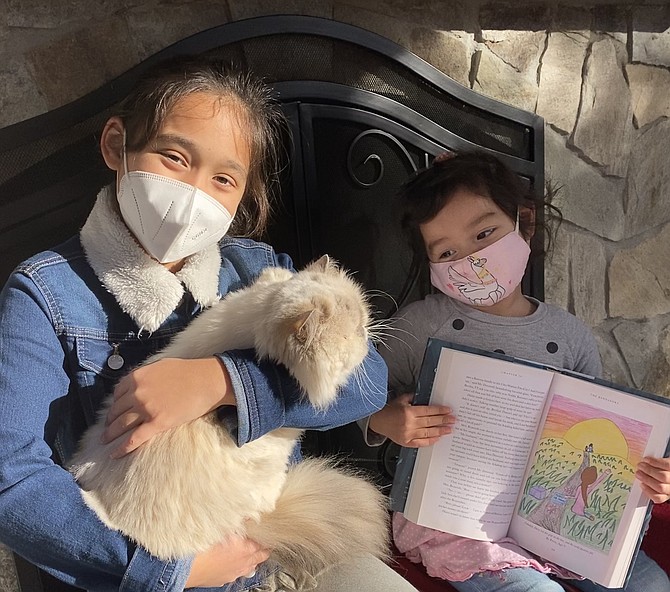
(647, 576)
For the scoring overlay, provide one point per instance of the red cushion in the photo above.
(657, 540)
(416, 574)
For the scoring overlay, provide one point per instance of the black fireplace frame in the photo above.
(36, 209)
(19, 136)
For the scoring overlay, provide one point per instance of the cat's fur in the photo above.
(190, 487)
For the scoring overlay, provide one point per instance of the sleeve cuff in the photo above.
(145, 572)
(249, 379)
(371, 438)
(243, 429)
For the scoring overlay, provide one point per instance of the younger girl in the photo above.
(472, 219)
(193, 150)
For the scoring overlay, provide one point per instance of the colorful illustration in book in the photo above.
(582, 472)
(485, 287)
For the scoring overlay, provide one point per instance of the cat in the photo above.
(190, 487)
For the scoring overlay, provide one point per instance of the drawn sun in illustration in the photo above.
(604, 434)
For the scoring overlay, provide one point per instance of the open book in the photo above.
(539, 454)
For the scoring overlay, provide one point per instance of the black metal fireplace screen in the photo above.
(364, 115)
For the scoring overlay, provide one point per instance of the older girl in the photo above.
(193, 148)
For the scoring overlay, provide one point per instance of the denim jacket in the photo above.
(61, 318)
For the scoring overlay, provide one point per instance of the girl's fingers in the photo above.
(121, 425)
(655, 469)
(434, 421)
(261, 556)
(654, 479)
(134, 440)
(429, 435)
(406, 400)
(662, 464)
(423, 410)
(119, 407)
(123, 386)
(653, 495)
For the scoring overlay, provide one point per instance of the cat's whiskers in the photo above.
(366, 384)
(374, 327)
(376, 312)
(375, 292)
(383, 328)
(392, 335)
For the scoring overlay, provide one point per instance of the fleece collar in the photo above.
(144, 289)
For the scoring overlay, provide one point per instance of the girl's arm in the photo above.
(412, 426)
(603, 475)
(271, 398)
(265, 395)
(42, 514)
(406, 424)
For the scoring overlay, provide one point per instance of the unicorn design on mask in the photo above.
(486, 288)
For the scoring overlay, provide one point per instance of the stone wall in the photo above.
(598, 72)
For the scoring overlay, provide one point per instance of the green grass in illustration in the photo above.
(555, 462)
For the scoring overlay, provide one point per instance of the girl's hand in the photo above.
(162, 395)
(225, 562)
(410, 425)
(654, 477)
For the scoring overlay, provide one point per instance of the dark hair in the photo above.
(588, 476)
(157, 92)
(425, 194)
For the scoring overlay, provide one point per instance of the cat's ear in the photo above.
(304, 326)
(321, 264)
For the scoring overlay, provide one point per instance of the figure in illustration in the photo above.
(590, 480)
(549, 513)
(486, 290)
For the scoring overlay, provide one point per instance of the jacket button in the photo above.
(115, 361)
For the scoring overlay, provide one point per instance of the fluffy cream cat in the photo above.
(192, 486)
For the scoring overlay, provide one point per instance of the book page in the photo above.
(468, 482)
(582, 507)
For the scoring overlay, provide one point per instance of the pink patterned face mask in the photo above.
(486, 276)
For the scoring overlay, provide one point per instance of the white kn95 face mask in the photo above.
(170, 219)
